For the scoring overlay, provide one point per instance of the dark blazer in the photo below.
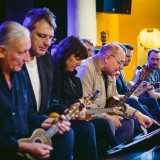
(45, 69)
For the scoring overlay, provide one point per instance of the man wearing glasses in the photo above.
(98, 72)
(41, 24)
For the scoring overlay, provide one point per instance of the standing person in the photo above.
(98, 72)
(41, 24)
(68, 90)
(16, 114)
(90, 46)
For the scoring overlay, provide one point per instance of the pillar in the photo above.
(82, 19)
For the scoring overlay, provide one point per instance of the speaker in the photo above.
(114, 6)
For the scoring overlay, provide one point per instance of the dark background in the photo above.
(16, 10)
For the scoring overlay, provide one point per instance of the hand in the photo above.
(131, 83)
(116, 120)
(63, 125)
(144, 120)
(81, 114)
(47, 123)
(39, 150)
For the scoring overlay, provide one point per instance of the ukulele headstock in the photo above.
(91, 97)
(144, 72)
(73, 111)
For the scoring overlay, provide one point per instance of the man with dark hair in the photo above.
(41, 24)
(154, 77)
(129, 54)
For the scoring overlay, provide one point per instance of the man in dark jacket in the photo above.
(41, 24)
(16, 112)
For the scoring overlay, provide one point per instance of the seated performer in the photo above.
(17, 116)
(98, 72)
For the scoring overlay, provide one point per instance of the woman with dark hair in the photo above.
(67, 89)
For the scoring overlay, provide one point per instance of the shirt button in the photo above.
(13, 114)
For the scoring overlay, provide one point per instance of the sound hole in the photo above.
(38, 140)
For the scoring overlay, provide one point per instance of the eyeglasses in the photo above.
(120, 63)
(52, 39)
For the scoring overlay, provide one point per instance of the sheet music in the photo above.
(137, 139)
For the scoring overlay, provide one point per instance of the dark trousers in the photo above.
(63, 146)
(152, 106)
(85, 141)
(104, 136)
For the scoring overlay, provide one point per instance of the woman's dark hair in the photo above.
(67, 47)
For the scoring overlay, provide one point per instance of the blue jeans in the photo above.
(152, 106)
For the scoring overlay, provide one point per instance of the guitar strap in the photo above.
(105, 77)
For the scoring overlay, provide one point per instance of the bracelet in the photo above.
(135, 112)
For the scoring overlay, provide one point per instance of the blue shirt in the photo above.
(16, 114)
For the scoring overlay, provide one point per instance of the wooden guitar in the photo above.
(42, 136)
(116, 106)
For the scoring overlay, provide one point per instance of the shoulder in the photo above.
(87, 64)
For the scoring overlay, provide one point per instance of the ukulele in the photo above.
(116, 106)
(145, 87)
(42, 136)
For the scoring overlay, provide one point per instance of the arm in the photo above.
(154, 94)
(39, 150)
(144, 120)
